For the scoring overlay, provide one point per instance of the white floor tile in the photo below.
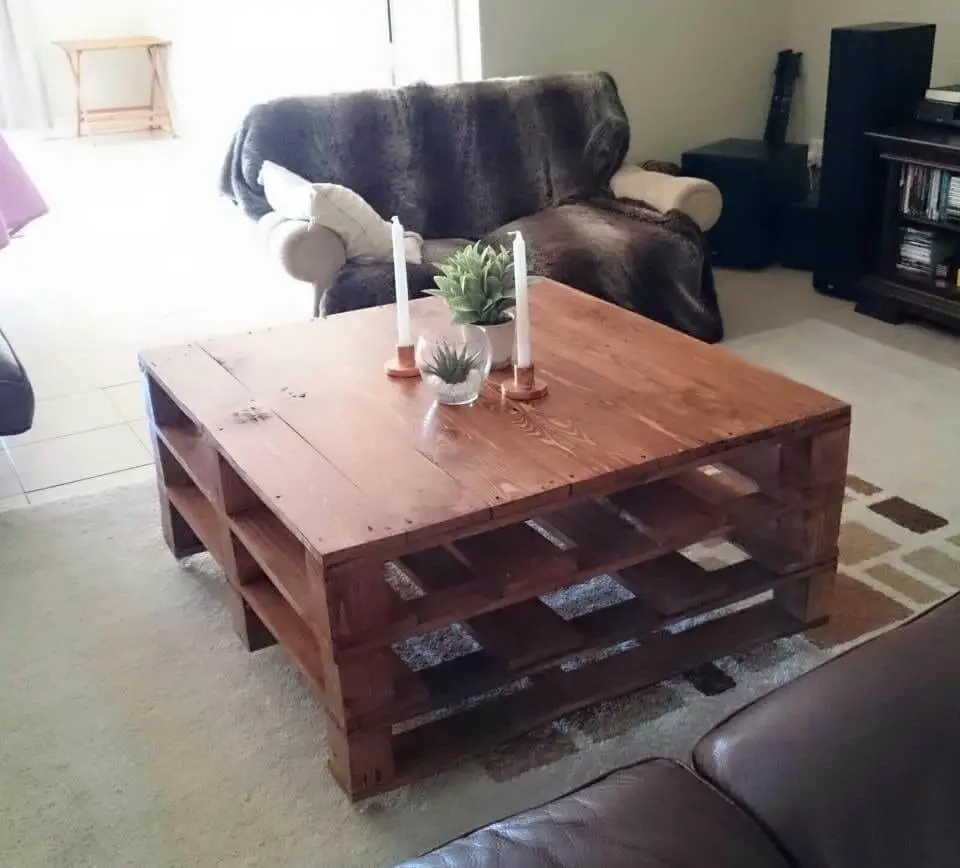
(14, 502)
(91, 486)
(78, 456)
(9, 483)
(142, 430)
(71, 414)
(128, 400)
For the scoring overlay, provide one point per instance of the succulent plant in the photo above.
(453, 363)
(477, 283)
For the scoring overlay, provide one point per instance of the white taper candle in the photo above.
(523, 301)
(404, 336)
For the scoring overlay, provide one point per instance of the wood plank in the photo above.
(197, 457)
(524, 633)
(289, 629)
(200, 515)
(601, 537)
(112, 43)
(672, 515)
(673, 584)
(515, 556)
(684, 386)
(453, 681)
(516, 635)
(281, 556)
(486, 448)
(313, 499)
(423, 750)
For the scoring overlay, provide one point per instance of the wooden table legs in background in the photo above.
(153, 116)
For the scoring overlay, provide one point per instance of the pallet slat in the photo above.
(281, 620)
(673, 584)
(515, 556)
(452, 681)
(197, 458)
(599, 534)
(279, 554)
(200, 514)
(427, 748)
(516, 635)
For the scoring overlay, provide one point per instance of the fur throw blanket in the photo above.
(451, 161)
(477, 160)
(617, 249)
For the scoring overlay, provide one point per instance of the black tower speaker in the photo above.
(878, 74)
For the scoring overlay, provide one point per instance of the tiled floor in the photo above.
(137, 251)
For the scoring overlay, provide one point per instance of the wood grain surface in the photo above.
(357, 464)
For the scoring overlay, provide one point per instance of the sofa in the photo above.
(544, 155)
(16, 394)
(853, 765)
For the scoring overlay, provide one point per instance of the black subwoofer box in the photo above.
(878, 74)
(758, 183)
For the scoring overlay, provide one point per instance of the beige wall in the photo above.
(810, 23)
(689, 71)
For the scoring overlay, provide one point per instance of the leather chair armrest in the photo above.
(650, 815)
(858, 761)
(16, 394)
(307, 252)
(699, 199)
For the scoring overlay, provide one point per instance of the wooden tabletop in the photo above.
(111, 43)
(352, 460)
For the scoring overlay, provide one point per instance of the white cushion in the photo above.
(366, 235)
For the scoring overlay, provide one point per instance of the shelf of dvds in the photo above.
(918, 272)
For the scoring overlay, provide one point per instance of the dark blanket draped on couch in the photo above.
(465, 160)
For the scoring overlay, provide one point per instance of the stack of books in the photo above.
(933, 194)
(929, 256)
(952, 211)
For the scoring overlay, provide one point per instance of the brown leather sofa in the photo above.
(16, 394)
(854, 765)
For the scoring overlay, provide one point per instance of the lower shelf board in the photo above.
(910, 297)
(427, 748)
(288, 628)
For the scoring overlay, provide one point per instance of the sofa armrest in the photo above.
(695, 197)
(858, 761)
(307, 252)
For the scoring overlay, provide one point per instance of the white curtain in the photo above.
(23, 97)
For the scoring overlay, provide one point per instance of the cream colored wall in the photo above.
(808, 30)
(689, 71)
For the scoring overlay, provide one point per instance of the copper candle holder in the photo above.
(404, 365)
(524, 386)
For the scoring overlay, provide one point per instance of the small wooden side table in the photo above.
(153, 116)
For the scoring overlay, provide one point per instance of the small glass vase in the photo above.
(472, 350)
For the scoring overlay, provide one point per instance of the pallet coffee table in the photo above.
(349, 515)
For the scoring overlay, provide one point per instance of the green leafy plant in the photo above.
(453, 363)
(477, 283)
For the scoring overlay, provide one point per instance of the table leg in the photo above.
(232, 497)
(179, 536)
(350, 600)
(153, 88)
(77, 69)
(814, 468)
(159, 104)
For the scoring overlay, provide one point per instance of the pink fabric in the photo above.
(20, 201)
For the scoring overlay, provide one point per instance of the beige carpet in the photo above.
(134, 729)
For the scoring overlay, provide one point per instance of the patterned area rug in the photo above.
(897, 558)
(134, 729)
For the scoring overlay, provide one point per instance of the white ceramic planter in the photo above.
(501, 338)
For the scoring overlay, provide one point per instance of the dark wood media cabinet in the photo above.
(888, 294)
